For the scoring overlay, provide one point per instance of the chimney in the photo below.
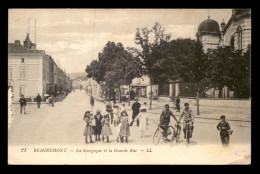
(17, 42)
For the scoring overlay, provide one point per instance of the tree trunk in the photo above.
(129, 95)
(106, 94)
(151, 96)
(198, 105)
(119, 94)
(109, 94)
(114, 96)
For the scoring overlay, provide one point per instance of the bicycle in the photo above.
(177, 132)
(188, 131)
(159, 132)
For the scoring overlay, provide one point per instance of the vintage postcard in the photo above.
(129, 86)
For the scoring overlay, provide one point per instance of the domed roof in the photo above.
(209, 26)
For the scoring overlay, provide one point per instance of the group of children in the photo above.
(99, 125)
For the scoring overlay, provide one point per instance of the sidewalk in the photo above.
(209, 112)
(57, 99)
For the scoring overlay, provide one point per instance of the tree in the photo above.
(150, 64)
(230, 68)
(220, 63)
(115, 67)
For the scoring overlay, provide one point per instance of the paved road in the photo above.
(63, 125)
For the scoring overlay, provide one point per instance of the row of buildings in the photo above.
(32, 71)
(237, 32)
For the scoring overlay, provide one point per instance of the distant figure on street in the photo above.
(125, 129)
(92, 101)
(223, 127)
(106, 129)
(177, 101)
(88, 129)
(51, 101)
(143, 117)
(98, 117)
(38, 100)
(22, 102)
(136, 110)
(123, 108)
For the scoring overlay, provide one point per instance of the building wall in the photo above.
(32, 83)
(209, 41)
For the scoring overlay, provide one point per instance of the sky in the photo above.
(74, 37)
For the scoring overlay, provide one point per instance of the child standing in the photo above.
(88, 129)
(106, 130)
(143, 118)
(116, 115)
(98, 126)
(125, 129)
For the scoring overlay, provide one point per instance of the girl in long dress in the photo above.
(125, 128)
(116, 115)
(106, 129)
(143, 118)
(88, 129)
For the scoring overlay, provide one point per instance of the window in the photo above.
(239, 38)
(21, 90)
(22, 73)
(10, 73)
(22, 60)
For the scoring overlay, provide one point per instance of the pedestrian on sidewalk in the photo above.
(224, 127)
(22, 102)
(116, 115)
(143, 117)
(125, 128)
(98, 127)
(38, 100)
(106, 129)
(136, 110)
(88, 129)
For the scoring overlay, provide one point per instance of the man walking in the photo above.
(22, 102)
(38, 100)
(223, 127)
(136, 110)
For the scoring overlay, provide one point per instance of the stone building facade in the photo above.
(32, 71)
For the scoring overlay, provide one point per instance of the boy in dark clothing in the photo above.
(223, 127)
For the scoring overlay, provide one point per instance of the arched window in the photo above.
(232, 42)
(22, 60)
(239, 38)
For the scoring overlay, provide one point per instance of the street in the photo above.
(63, 125)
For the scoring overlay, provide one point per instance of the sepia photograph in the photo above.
(129, 86)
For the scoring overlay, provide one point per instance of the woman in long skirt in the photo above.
(125, 128)
(106, 130)
(88, 129)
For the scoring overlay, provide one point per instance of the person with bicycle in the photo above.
(165, 120)
(188, 119)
